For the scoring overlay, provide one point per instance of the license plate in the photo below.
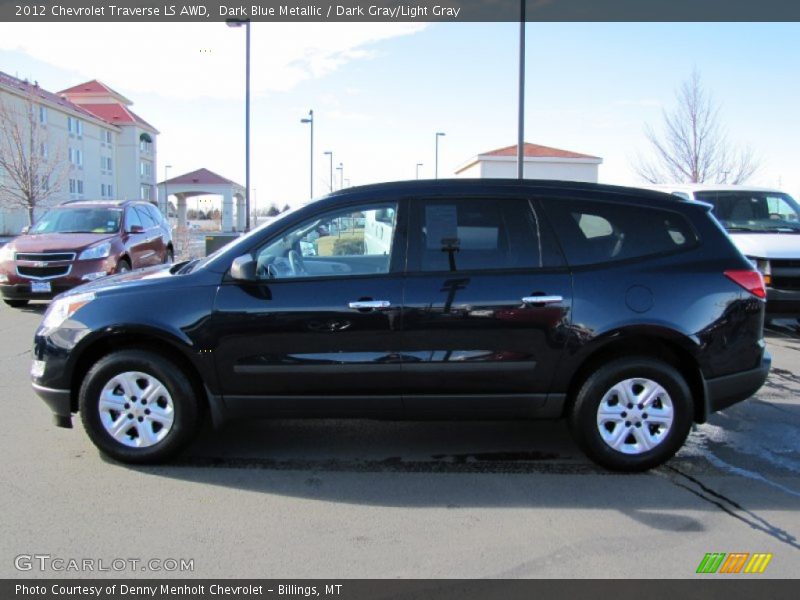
(40, 287)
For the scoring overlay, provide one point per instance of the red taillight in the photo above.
(752, 281)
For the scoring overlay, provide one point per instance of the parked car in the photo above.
(764, 224)
(625, 311)
(81, 241)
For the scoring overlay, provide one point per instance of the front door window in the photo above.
(353, 241)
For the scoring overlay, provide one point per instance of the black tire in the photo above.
(186, 412)
(169, 257)
(16, 303)
(123, 266)
(583, 417)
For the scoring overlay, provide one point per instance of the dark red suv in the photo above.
(81, 241)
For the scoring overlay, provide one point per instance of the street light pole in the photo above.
(166, 193)
(436, 167)
(310, 121)
(418, 166)
(329, 154)
(521, 116)
(246, 23)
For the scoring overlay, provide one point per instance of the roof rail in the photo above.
(92, 200)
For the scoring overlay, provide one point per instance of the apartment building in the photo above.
(104, 149)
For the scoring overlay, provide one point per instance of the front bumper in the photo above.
(59, 402)
(18, 287)
(722, 392)
(783, 303)
(22, 291)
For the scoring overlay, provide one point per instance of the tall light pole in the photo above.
(246, 24)
(418, 166)
(340, 168)
(310, 121)
(166, 194)
(521, 122)
(329, 154)
(436, 168)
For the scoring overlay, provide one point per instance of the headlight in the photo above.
(95, 252)
(6, 253)
(63, 308)
(762, 266)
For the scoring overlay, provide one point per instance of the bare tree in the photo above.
(693, 147)
(32, 168)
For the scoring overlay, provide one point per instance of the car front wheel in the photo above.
(632, 414)
(138, 407)
(123, 266)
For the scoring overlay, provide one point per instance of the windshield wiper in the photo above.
(738, 228)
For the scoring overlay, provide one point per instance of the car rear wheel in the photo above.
(16, 303)
(138, 407)
(632, 414)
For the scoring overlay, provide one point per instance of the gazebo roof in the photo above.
(200, 177)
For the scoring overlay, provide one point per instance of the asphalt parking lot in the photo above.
(334, 499)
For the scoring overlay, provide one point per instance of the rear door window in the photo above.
(597, 232)
(478, 234)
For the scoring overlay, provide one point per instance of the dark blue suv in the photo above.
(625, 311)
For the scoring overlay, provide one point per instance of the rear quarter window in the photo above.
(599, 232)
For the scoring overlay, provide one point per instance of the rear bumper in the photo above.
(59, 402)
(722, 392)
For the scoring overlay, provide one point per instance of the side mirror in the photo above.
(243, 268)
(25, 230)
(136, 229)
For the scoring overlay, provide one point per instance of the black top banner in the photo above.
(400, 11)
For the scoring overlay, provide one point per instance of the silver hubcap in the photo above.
(136, 409)
(635, 416)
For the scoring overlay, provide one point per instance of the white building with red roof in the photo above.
(104, 148)
(539, 162)
(135, 144)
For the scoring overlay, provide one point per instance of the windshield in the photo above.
(754, 211)
(79, 220)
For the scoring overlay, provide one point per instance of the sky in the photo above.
(381, 91)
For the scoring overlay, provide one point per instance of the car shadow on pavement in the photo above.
(723, 468)
(38, 308)
(448, 465)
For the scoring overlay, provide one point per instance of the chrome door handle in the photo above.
(369, 304)
(542, 299)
